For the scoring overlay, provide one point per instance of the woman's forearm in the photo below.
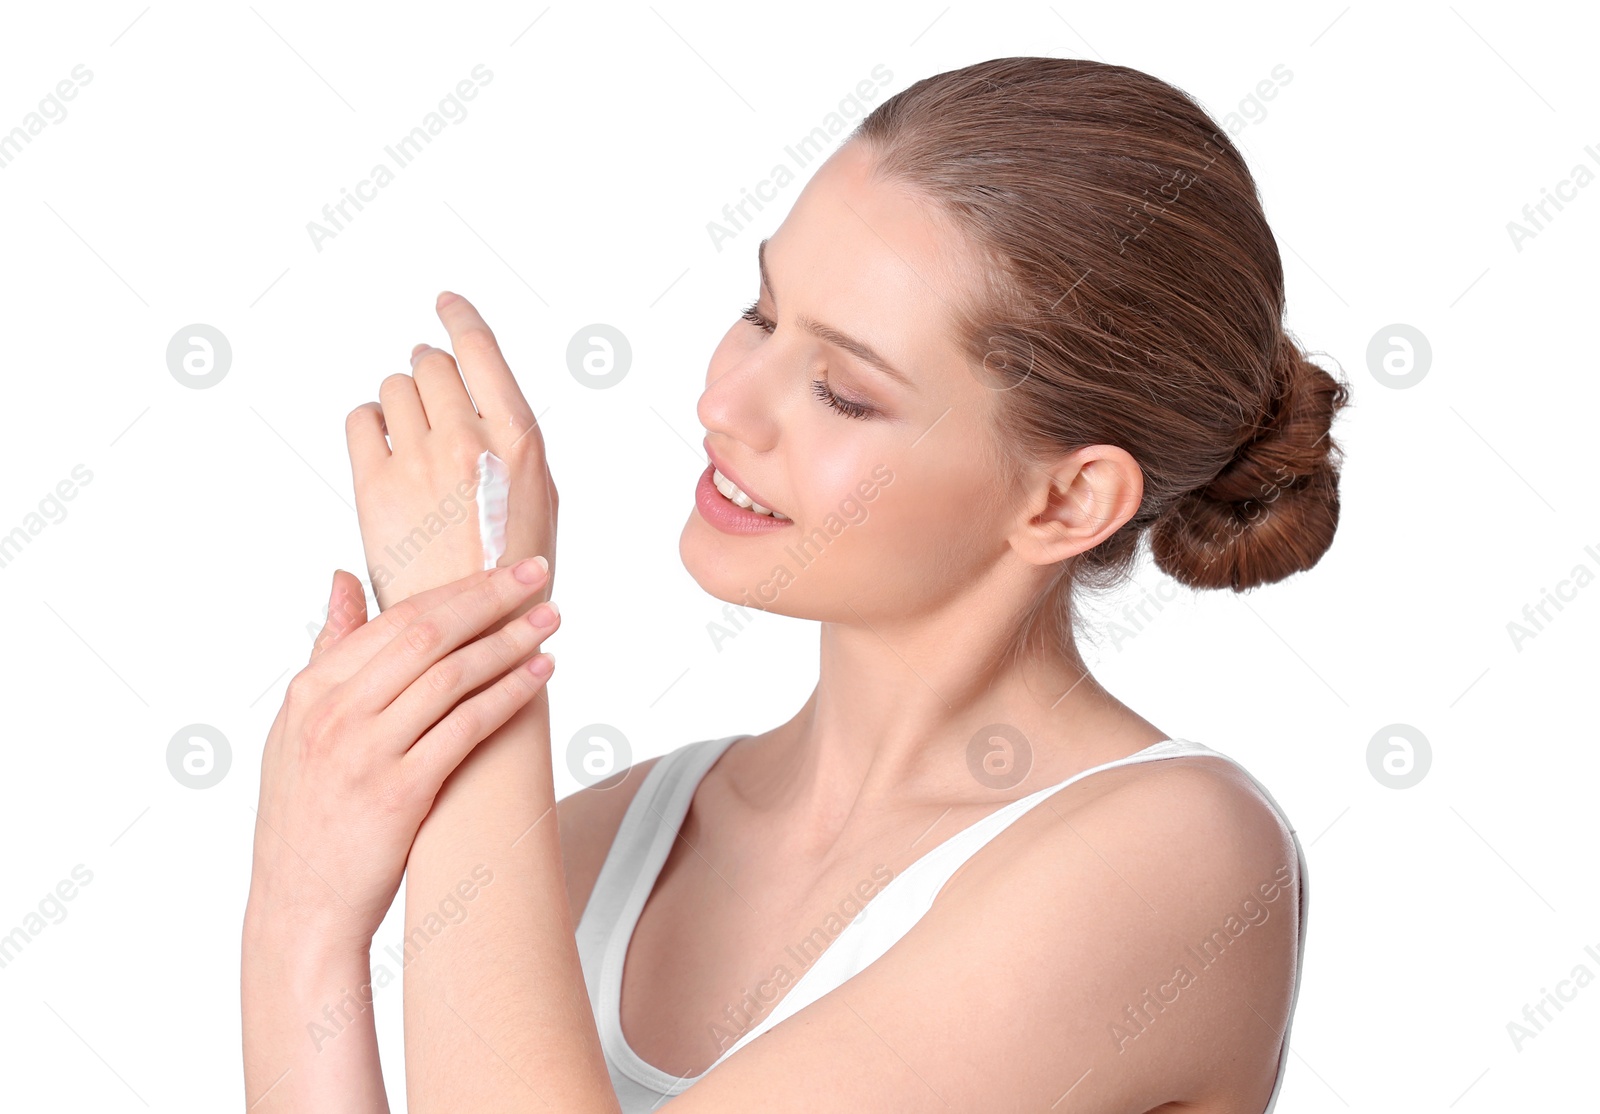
(309, 1041)
(496, 1014)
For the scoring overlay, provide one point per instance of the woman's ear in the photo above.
(1077, 502)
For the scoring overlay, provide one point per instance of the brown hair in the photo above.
(1133, 296)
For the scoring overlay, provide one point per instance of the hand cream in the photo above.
(494, 486)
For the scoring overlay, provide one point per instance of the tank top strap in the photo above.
(644, 839)
(911, 893)
(937, 867)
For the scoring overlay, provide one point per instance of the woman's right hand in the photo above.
(370, 729)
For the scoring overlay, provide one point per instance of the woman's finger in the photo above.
(354, 648)
(363, 435)
(439, 630)
(456, 677)
(402, 410)
(432, 757)
(444, 395)
(347, 610)
(487, 376)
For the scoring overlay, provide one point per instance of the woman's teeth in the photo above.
(739, 498)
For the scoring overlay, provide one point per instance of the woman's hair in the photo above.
(1132, 295)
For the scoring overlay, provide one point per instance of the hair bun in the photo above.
(1273, 509)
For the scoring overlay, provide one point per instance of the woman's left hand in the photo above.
(416, 494)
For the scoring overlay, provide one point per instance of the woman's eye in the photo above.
(848, 407)
(752, 315)
(845, 406)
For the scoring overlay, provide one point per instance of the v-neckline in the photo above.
(646, 1073)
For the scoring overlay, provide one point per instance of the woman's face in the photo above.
(892, 506)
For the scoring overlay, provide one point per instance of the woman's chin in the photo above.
(741, 579)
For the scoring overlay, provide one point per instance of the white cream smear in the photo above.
(494, 489)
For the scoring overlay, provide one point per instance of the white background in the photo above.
(179, 585)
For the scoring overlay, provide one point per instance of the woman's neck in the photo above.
(891, 723)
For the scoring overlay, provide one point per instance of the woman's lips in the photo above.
(726, 515)
(732, 477)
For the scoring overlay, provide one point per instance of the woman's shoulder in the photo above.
(1196, 821)
(1142, 885)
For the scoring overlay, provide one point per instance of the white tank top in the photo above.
(640, 848)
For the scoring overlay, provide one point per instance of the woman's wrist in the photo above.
(309, 1037)
(293, 945)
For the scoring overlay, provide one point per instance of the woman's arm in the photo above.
(360, 749)
(496, 1013)
(308, 1033)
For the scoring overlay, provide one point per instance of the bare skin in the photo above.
(872, 771)
(1006, 994)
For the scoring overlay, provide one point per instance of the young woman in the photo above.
(1029, 313)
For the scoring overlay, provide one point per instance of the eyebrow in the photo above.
(857, 348)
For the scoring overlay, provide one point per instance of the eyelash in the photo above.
(819, 387)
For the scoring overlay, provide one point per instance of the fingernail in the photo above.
(445, 298)
(417, 352)
(545, 614)
(545, 565)
(543, 664)
(527, 571)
